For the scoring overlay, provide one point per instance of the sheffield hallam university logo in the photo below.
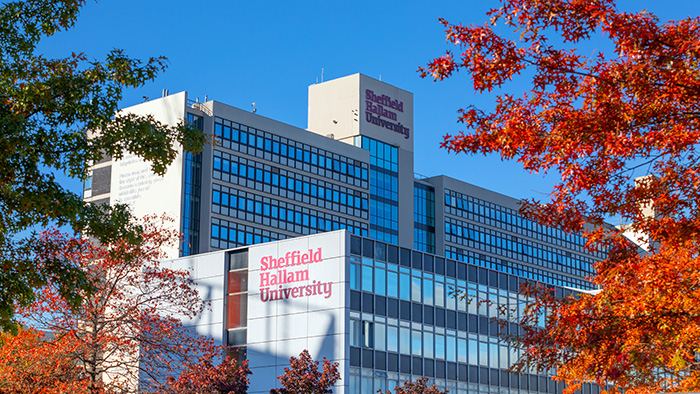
(280, 278)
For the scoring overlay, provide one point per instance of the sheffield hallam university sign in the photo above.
(379, 107)
(280, 278)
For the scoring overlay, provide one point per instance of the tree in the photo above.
(128, 331)
(204, 377)
(600, 120)
(47, 107)
(29, 363)
(303, 376)
(418, 387)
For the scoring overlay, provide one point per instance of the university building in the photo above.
(323, 239)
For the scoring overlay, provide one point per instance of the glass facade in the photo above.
(267, 187)
(406, 322)
(384, 189)
(424, 217)
(489, 235)
(192, 187)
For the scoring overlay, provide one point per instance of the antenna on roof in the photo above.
(253, 105)
(380, 77)
(321, 74)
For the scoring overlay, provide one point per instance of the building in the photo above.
(263, 181)
(383, 312)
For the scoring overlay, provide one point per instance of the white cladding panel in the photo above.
(296, 300)
(135, 184)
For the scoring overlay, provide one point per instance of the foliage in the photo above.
(600, 119)
(418, 387)
(29, 363)
(203, 377)
(128, 329)
(303, 376)
(47, 107)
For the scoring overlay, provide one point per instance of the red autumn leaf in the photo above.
(128, 331)
(600, 119)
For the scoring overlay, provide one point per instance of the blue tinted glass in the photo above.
(405, 287)
(367, 278)
(355, 276)
(380, 281)
(392, 339)
(392, 284)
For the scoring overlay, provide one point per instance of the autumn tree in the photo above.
(127, 333)
(47, 107)
(206, 377)
(420, 386)
(600, 118)
(31, 362)
(304, 377)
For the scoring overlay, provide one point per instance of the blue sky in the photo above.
(269, 52)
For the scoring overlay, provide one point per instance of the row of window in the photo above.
(473, 349)
(457, 378)
(287, 183)
(477, 237)
(491, 214)
(513, 268)
(390, 290)
(448, 269)
(228, 235)
(426, 317)
(291, 153)
(278, 214)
